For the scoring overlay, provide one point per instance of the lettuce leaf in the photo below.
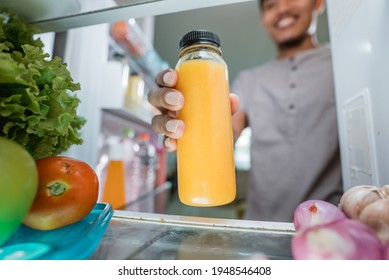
(38, 107)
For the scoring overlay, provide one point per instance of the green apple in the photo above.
(18, 186)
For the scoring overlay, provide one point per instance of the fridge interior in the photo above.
(358, 37)
(357, 32)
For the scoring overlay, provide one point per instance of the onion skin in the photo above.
(314, 212)
(385, 190)
(343, 239)
(376, 216)
(356, 198)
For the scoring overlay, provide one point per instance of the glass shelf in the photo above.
(61, 15)
(149, 236)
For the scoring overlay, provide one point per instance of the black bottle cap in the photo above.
(199, 37)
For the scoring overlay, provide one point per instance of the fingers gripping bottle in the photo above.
(205, 160)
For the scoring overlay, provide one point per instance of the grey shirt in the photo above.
(290, 105)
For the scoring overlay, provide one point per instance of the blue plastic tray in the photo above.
(74, 242)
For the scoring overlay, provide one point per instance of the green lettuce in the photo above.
(38, 106)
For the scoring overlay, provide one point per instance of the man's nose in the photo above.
(283, 6)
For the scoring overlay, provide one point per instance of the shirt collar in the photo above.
(306, 53)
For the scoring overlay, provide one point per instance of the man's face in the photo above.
(287, 21)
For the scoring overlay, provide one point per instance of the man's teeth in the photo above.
(285, 22)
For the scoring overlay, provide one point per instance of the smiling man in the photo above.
(289, 103)
(291, 24)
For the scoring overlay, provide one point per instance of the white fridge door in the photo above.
(360, 42)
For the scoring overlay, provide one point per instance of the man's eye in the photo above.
(267, 5)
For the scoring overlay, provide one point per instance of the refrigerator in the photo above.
(359, 41)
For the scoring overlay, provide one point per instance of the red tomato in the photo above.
(67, 192)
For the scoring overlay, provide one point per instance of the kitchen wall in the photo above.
(244, 41)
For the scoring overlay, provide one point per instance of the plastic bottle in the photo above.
(131, 37)
(118, 148)
(134, 95)
(112, 176)
(129, 144)
(148, 156)
(143, 170)
(205, 157)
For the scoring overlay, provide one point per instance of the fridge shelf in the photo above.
(149, 236)
(62, 15)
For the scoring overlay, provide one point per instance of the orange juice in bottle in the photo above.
(205, 158)
(114, 184)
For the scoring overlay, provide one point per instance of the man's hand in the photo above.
(168, 101)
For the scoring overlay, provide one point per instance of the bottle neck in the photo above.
(200, 47)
